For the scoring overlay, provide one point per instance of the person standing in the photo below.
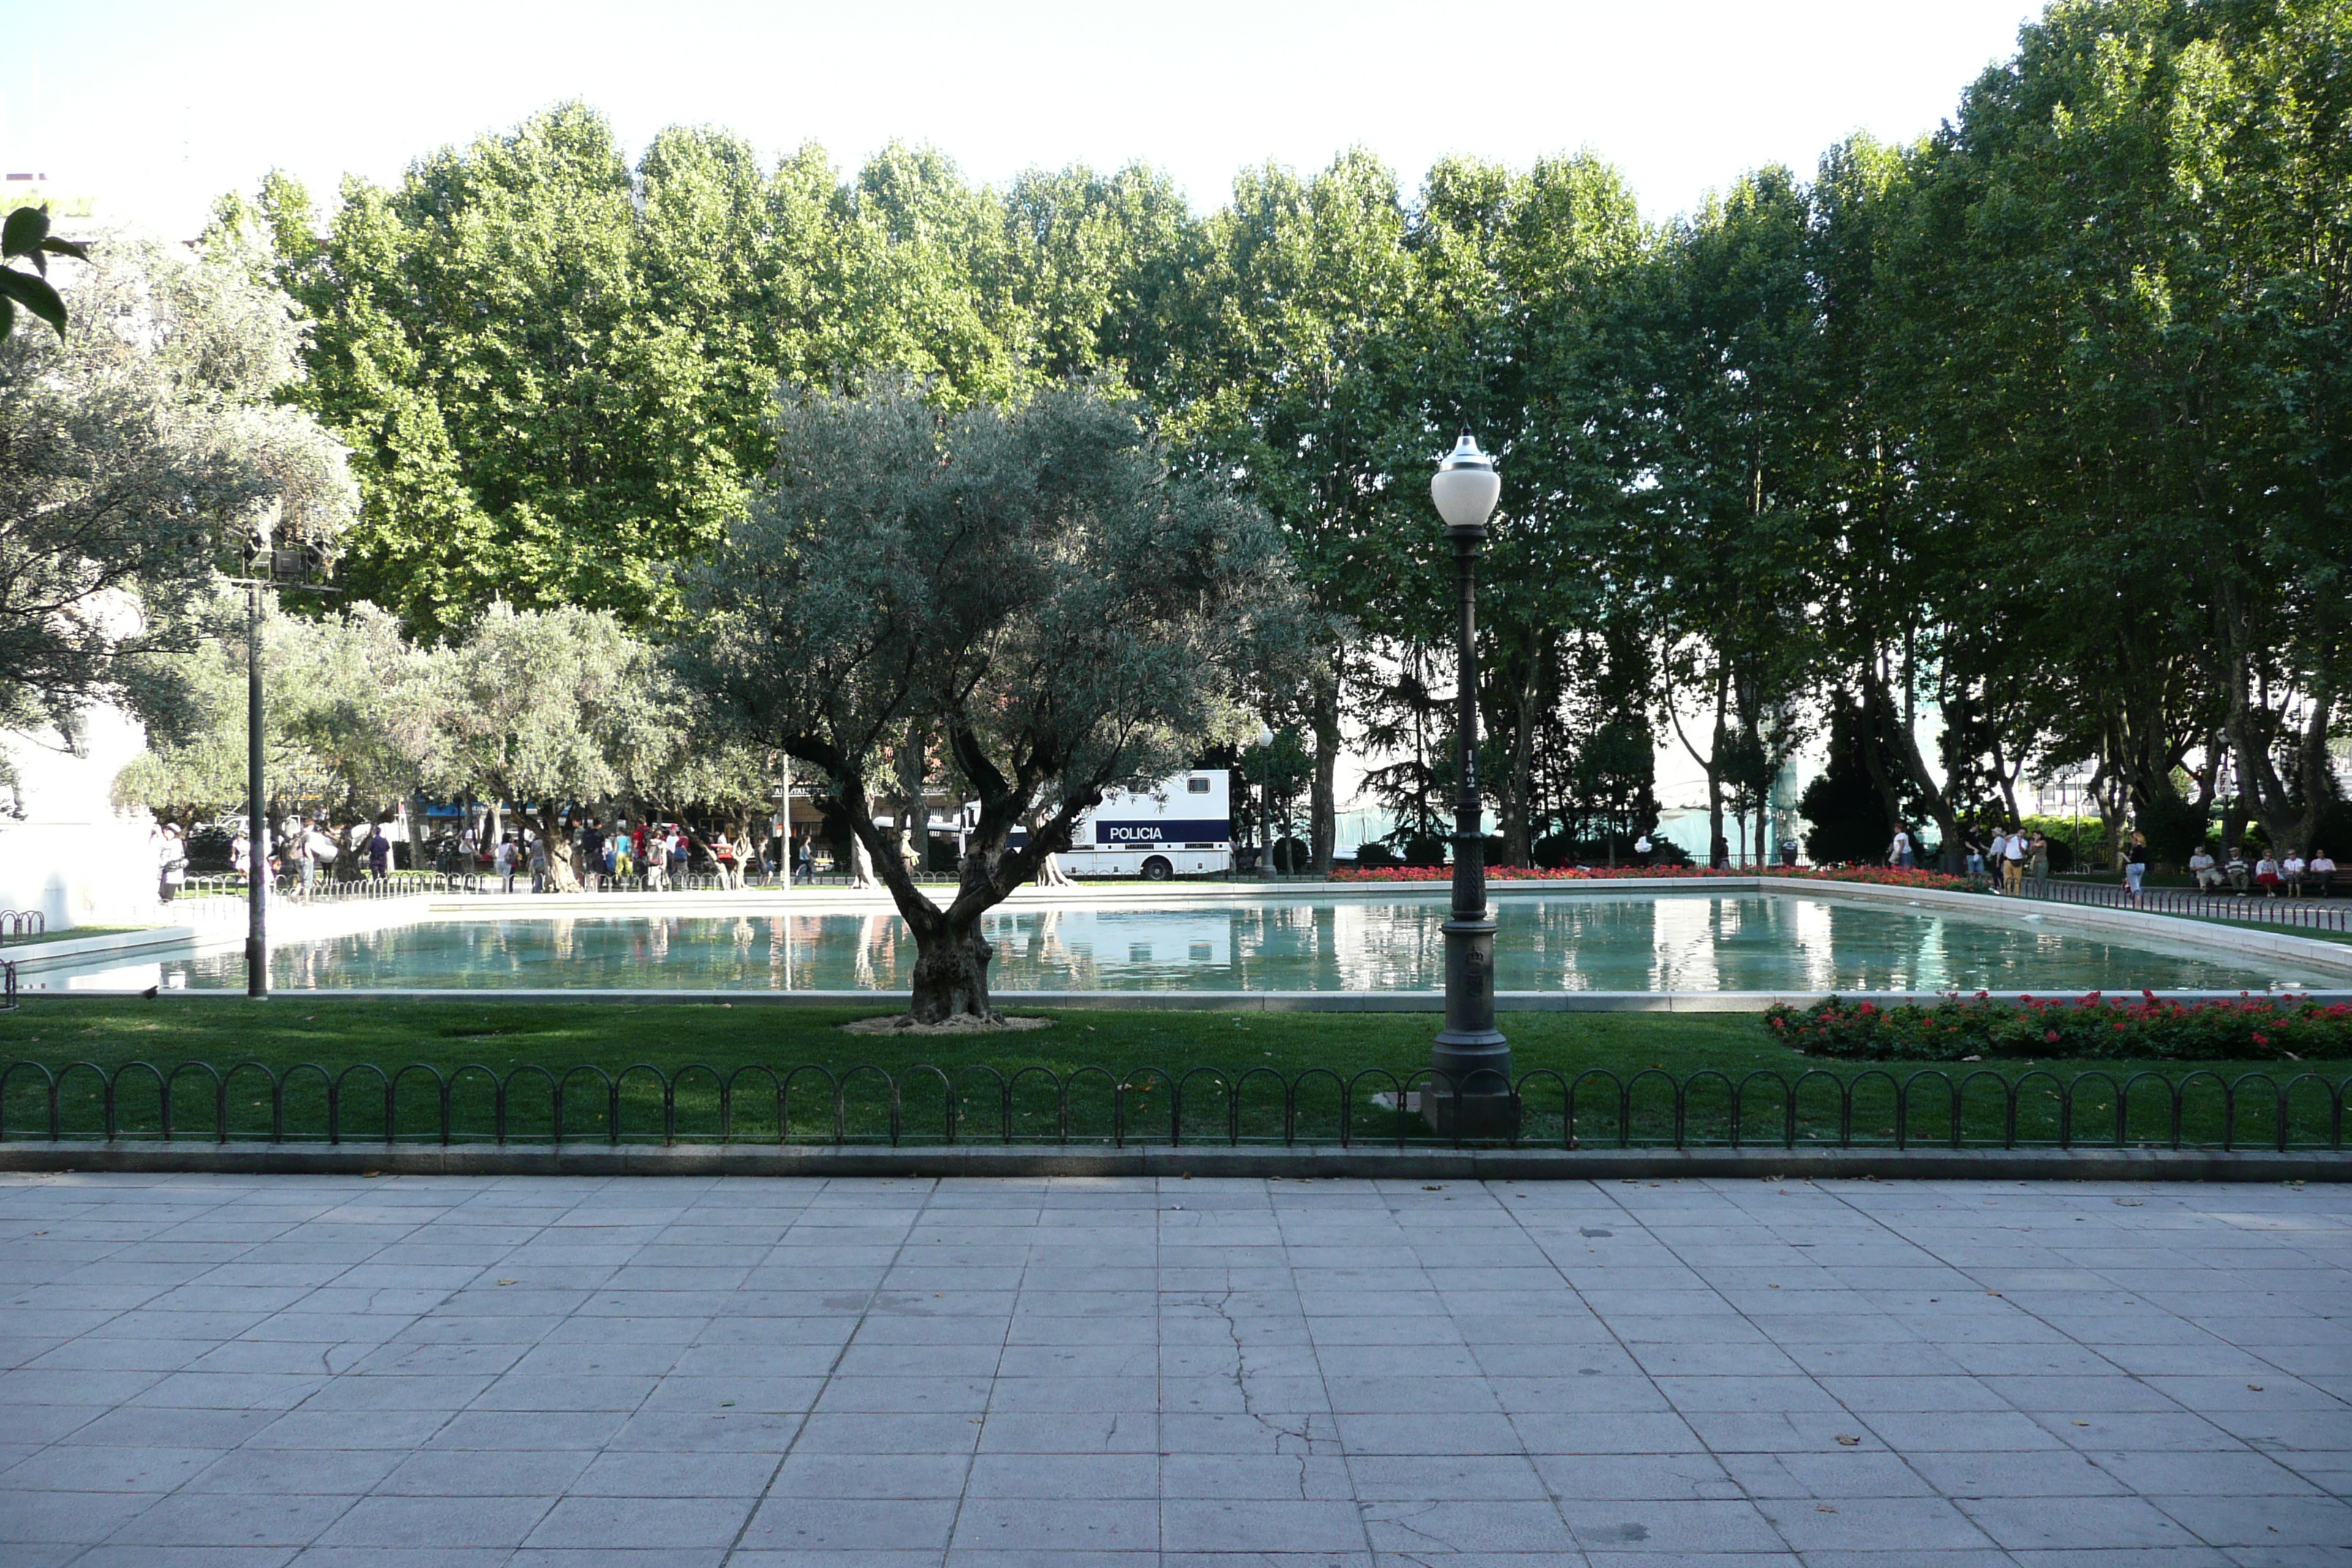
(2136, 863)
(1898, 851)
(504, 862)
(2012, 862)
(1975, 851)
(379, 854)
(171, 863)
(2038, 858)
(318, 849)
(808, 856)
(542, 869)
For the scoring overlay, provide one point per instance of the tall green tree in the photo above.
(1729, 319)
(2126, 261)
(1289, 379)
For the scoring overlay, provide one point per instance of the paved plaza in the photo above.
(390, 1372)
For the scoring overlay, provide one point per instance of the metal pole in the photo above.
(257, 828)
(1266, 809)
(1472, 1090)
(784, 821)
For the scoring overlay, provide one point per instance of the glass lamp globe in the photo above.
(1466, 486)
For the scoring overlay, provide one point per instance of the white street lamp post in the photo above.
(1470, 1062)
(1265, 743)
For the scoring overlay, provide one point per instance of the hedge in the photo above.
(1882, 876)
(2246, 1028)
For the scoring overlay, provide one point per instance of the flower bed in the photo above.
(2249, 1028)
(1883, 876)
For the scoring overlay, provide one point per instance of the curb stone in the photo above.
(1159, 1160)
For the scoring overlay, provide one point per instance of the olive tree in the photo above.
(132, 447)
(547, 709)
(1022, 605)
(349, 723)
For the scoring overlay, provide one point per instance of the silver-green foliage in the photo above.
(1020, 606)
(129, 449)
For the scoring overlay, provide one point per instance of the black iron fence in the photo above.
(2307, 913)
(1872, 1108)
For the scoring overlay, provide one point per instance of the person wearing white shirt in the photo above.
(2291, 871)
(2321, 872)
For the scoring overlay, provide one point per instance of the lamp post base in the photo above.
(1469, 1093)
(1470, 1115)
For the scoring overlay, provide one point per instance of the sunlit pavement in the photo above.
(273, 1370)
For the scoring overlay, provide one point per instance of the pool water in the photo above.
(1570, 942)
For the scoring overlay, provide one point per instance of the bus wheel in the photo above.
(1157, 869)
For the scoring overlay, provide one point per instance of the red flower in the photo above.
(2051, 1035)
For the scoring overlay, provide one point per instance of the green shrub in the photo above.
(2251, 1028)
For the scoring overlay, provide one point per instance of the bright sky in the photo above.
(153, 107)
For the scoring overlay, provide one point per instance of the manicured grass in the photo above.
(586, 1046)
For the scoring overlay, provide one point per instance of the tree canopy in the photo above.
(136, 449)
(2026, 445)
(1022, 605)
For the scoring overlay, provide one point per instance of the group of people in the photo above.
(661, 853)
(2010, 859)
(300, 851)
(2249, 871)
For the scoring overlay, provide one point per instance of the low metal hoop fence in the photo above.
(2316, 910)
(1874, 1108)
(18, 924)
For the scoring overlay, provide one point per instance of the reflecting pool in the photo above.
(1570, 943)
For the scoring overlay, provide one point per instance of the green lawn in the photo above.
(68, 933)
(587, 1044)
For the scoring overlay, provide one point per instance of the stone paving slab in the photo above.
(1114, 1372)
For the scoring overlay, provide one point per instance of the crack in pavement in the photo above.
(1218, 1304)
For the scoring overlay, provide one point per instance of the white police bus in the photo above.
(1185, 825)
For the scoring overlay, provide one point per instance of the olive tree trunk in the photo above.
(950, 978)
